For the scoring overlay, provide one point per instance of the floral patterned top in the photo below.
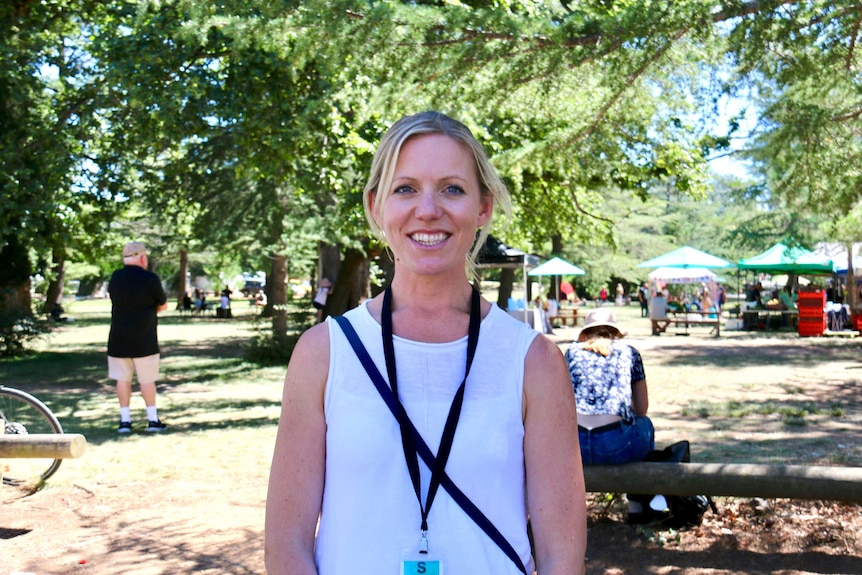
(603, 385)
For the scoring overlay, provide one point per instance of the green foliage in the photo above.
(269, 350)
(239, 130)
(18, 331)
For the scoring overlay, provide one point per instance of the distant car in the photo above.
(251, 288)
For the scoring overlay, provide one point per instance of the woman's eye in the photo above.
(403, 190)
(453, 189)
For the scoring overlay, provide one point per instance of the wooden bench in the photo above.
(728, 479)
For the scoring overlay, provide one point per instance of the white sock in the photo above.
(659, 503)
(152, 413)
(125, 414)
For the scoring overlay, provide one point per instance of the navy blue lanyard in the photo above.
(407, 440)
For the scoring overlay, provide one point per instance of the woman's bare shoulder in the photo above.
(311, 353)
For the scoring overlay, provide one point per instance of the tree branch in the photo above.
(585, 212)
(630, 79)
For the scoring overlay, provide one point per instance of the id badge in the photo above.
(413, 563)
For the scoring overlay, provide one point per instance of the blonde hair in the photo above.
(598, 339)
(385, 159)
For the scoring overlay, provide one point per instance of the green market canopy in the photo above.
(783, 259)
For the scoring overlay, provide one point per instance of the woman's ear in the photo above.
(485, 210)
(372, 207)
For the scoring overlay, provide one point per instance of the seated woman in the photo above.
(611, 393)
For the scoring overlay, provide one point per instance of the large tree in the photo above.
(252, 123)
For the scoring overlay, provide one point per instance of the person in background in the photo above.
(721, 299)
(137, 296)
(755, 295)
(187, 304)
(319, 301)
(788, 297)
(658, 313)
(552, 308)
(620, 293)
(643, 299)
(224, 310)
(610, 390)
(706, 303)
(347, 492)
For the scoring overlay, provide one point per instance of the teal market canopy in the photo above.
(783, 259)
(557, 267)
(686, 257)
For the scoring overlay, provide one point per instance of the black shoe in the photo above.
(156, 426)
(125, 427)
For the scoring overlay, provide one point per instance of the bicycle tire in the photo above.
(21, 413)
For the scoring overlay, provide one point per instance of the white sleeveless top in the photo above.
(370, 513)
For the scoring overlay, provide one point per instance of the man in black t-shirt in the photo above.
(137, 296)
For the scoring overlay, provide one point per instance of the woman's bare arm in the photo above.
(555, 480)
(297, 473)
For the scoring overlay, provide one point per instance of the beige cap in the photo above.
(133, 249)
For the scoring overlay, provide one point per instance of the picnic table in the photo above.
(696, 318)
(761, 318)
(568, 316)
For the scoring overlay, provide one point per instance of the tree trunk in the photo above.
(277, 296)
(852, 290)
(15, 300)
(507, 280)
(14, 279)
(556, 245)
(58, 280)
(328, 262)
(184, 271)
(352, 284)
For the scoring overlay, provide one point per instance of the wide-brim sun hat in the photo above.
(601, 317)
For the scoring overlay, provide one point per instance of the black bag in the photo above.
(682, 510)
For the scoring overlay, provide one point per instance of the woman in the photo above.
(707, 304)
(610, 392)
(341, 455)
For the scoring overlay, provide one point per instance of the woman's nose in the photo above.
(428, 205)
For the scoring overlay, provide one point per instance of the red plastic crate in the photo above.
(812, 327)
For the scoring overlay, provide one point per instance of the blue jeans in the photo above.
(624, 443)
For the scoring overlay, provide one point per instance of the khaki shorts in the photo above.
(122, 368)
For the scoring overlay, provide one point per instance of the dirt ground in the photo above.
(198, 525)
(142, 530)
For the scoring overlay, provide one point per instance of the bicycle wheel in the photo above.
(23, 414)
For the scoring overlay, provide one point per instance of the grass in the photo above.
(208, 394)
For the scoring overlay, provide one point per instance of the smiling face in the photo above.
(434, 205)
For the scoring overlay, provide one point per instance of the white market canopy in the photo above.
(557, 267)
(682, 275)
